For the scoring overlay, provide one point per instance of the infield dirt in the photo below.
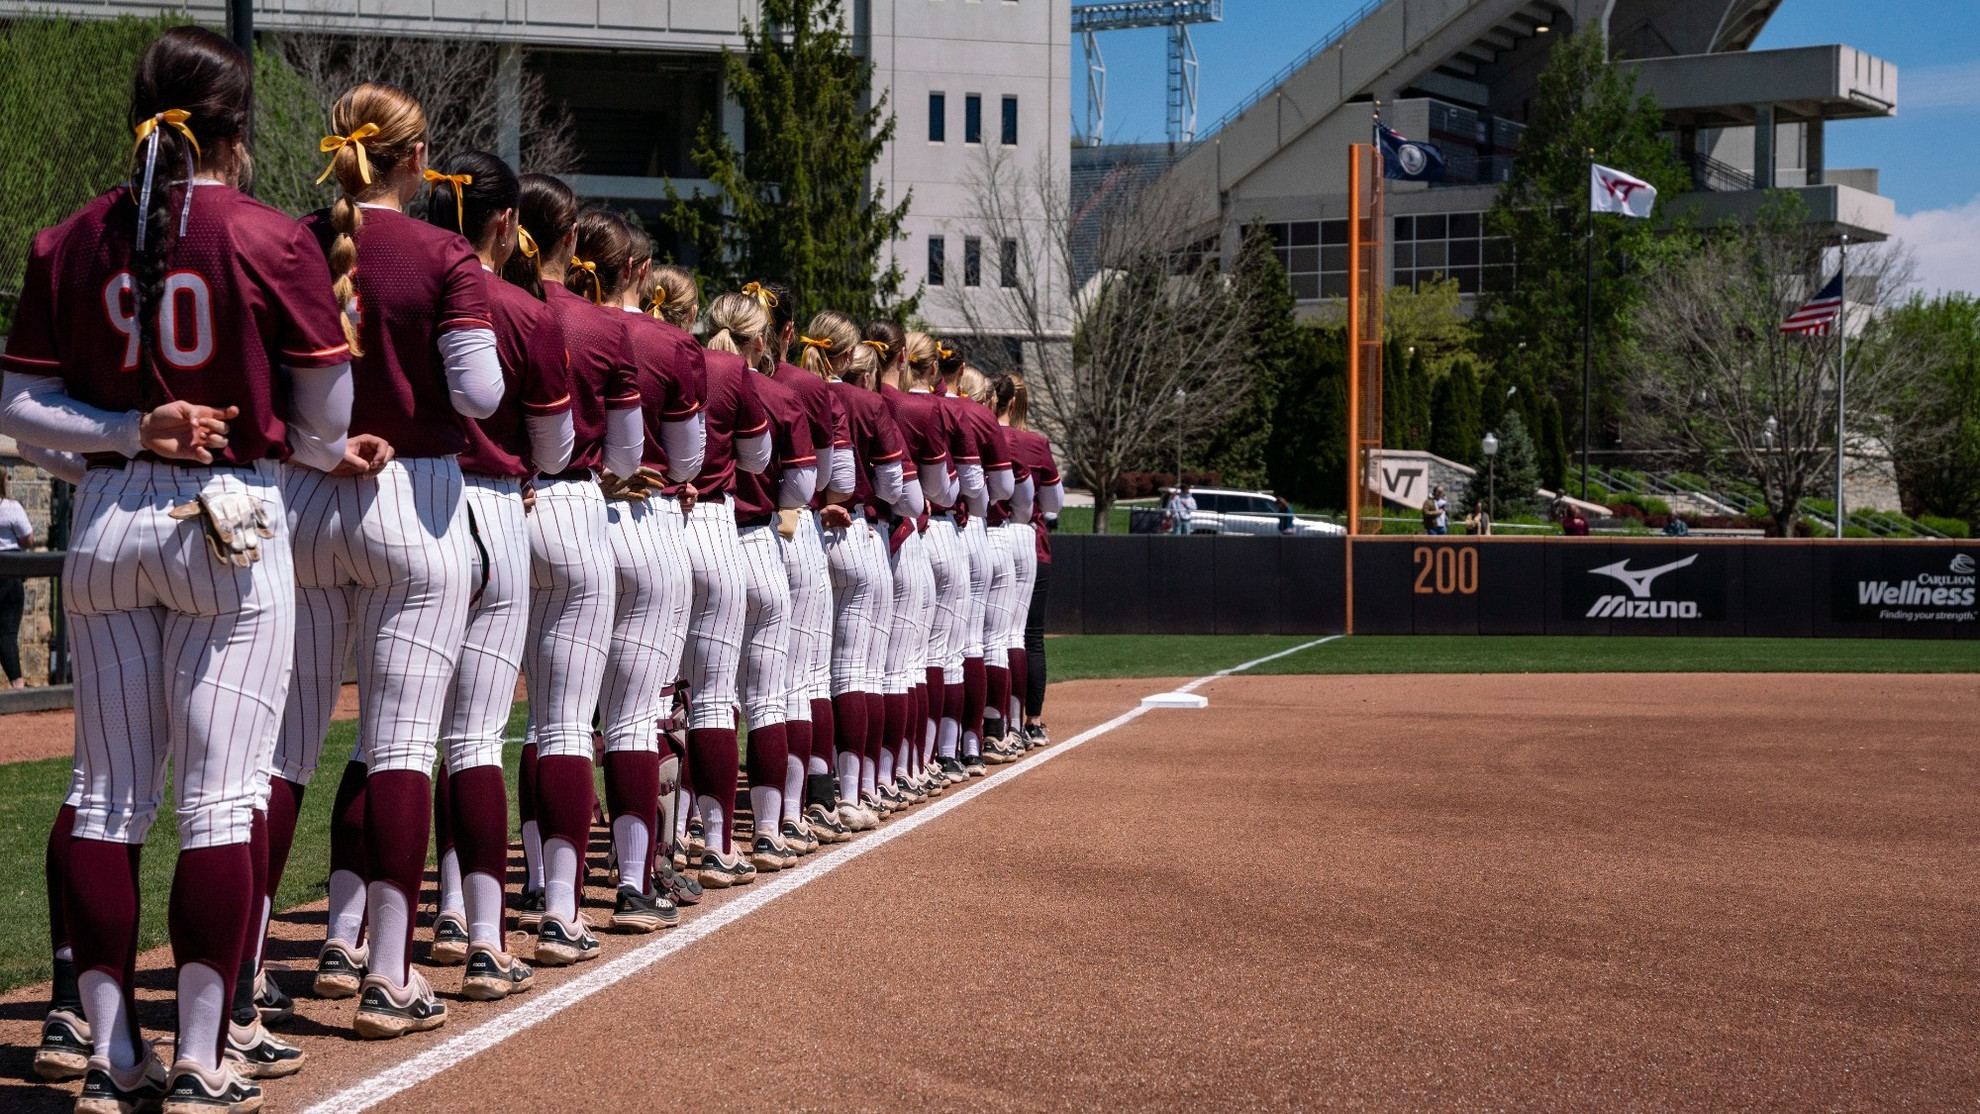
(1394, 893)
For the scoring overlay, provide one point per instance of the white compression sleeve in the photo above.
(887, 482)
(753, 453)
(1052, 497)
(552, 439)
(686, 443)
(63, 466)
(1021, 500)
(474, 373)
(797, 486)
(37, 409)
(910, 504)
(822, 474)
(320, 422)
(625, 440)
(936, 484)
(845, 471)
(1000, 483)
(975, 495)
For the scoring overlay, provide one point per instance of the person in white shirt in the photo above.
(16, 533)
(1182, 505)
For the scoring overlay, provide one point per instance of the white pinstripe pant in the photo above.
(950, 567)
(385, 559)
(176, 655)
(811, 612)
(862, 597)
(1023, 543)
(766, 678)
(1001, 595)
(715, 625)
(572, 592)
(649, 622)
(497, 628)
(976, 548)
(907, 634)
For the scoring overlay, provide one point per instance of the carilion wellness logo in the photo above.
(1641, 603)
(1953, 588)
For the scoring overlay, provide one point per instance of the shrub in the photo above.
(1950, 527)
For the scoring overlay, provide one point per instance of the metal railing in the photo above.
(1713, 176)
(1330, 39)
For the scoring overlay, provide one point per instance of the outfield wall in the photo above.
(1423, 585)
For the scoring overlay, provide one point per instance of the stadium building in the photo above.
(967, 79)
(1462, 74)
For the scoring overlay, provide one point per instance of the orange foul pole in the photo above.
(1364, 325)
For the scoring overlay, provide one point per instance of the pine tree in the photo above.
(1454, 429)
(1307, 456)
(1583, 103)
(1553, 449)
(1238, 451)
(1514, 473)
(793, 208)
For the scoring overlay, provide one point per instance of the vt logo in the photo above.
(1401, 482)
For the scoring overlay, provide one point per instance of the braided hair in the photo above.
(377, 125)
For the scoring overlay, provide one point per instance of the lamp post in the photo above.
(1182, 396)
(1491, 447)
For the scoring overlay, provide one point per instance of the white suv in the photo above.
(1223, 511)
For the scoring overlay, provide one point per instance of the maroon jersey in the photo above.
(416, 282)
(246, 292)
(963, 448)
(814, 396)
(536, 378)
(667, 365)
(875, 439)
(790, 447)
(924, 433)
(734, 412)
(1035, 450)
(600, 358)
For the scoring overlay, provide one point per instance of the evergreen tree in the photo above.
(1307, 456)
(801, 206)
(1454, 429)
(1238, 450)
(1514, 473)
(1555, 462)
(1583, 103)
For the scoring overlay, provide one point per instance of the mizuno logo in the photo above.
(1622, 607)
(1639, 580)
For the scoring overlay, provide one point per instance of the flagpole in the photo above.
(1842, 363)
(1588, 337)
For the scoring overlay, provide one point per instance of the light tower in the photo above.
(1088, 20)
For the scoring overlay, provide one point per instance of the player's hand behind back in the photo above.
(365, 454)
(185, 430)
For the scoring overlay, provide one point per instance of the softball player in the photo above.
(809, 663)
(814, 605)
(531, 432)
(573, 585)
(770, 700)
(1031, 449)
(178, 586)
(1001, 596)
(950, 565)
(976, 548)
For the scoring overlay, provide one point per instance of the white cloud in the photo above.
(1951, 86)
(1946, 243)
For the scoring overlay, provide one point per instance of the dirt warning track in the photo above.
(1395, 893)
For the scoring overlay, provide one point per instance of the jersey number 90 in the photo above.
(185, 318)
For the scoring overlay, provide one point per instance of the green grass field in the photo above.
(29, 791)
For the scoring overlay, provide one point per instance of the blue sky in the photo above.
(1929, 159)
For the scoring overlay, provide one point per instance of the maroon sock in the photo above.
(849, 709)
(974, 684)
(712, 760)
(952, 702)
(55, 867)
(917, 725)
(347, 821)
(894, 737)
(632, 788)
(932, 676)
(480, 815)
(797, 744)
(769, 752)
(443, 816)
(101, 893)
(526, 786)
(824, 733)
(212, 891)
(997, 699)
(564, 796)
(258, 862)
(1020, 680)
(876, 728)
(284, 801)
(397, 807)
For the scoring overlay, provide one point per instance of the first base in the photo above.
(1175, 700)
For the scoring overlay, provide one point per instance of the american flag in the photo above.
(1817, 314)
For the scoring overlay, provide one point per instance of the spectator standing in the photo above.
(1285, 515)
(1437, 512)
(1182, 506)
(1572, 523)
(16, 533)
(1479, 522)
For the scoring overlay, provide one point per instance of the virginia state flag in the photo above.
(1612, 191)
(1407, 160)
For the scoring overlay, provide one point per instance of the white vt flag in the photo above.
(1612, 191)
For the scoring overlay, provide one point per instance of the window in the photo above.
(938, 117)
(1010, 121)
(1453, 245)
(1007, 263)
(972, 119)
(972, 261)
(1315, 256)
(938, 260)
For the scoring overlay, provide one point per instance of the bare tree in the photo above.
(456, 82)
(1130, 338)
(1714, 376)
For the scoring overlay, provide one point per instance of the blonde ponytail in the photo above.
(376, 125)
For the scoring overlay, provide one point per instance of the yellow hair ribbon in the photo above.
(945, 351)
(590, 268)
(461, 182)
(879, 346)
(525, 242)
(333, 143)
(763, 297)
(824, 346)
(174, 118)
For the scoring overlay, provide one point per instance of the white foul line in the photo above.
(542, 1005)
